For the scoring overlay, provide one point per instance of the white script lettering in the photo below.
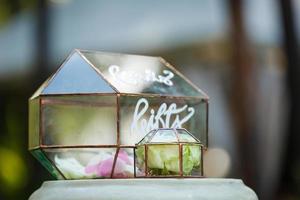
(134, 77)
(165, 117)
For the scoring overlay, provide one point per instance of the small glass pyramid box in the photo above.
(169, 152)
(86, 119)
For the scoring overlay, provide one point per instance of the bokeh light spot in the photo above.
(217, 163)
(13, 174)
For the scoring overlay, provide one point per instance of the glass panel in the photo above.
(124, 167)
(141, 74)
(147, 138)
(165, 135)
(199, 127)
(140, 161)
(77, 76)
(163, 160)
(184, 136)
(79, 120)
(81, 163)
(141, 114)
(191, 160)
(39, 155)
(34, 123)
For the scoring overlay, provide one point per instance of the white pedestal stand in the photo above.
(144, 189)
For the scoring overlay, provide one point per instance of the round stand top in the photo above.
(150, 188)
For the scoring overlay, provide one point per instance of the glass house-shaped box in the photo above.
(85, 119)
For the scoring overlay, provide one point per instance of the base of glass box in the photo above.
(137, 189)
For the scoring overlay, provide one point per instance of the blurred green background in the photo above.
(243, 53)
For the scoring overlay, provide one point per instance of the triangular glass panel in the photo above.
(40, 156)
(42, 87)
(77, 76)
(184, 136)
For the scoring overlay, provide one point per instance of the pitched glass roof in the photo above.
(101, 72)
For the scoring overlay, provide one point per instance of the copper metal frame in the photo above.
(69, 102)
(207, 124)
(126, 94)
(180, 146)
(118, 95)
